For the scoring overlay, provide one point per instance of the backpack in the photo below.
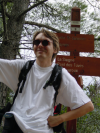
(54, 80)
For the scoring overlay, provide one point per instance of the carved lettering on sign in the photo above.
(78, 65)
(72, 38)
(69, 65)
(61, 64)
(61, 37)
(62, 44)
(77, 38)
(72, 70)
(64, 59)
(78, 42)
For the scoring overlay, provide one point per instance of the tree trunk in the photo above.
(10, 43)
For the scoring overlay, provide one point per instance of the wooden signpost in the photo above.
(76, 65)
(80, 65)
(75, 20)
(76, 42)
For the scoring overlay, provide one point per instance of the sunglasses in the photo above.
(44, 42)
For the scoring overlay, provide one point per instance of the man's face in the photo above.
(44, 52)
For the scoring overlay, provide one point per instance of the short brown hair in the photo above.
(51, 36)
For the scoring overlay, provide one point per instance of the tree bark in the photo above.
(14, 30)
(12, 38)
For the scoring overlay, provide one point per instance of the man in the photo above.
(33, 108)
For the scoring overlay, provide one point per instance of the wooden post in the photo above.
(75, 29)
(80, 81)
(75, 26)
(76, 65)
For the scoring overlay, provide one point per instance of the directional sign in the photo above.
(78, 42)
(80, 65)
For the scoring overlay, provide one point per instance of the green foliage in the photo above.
(10, 95)
(63, 109)
(1, 128)
(9, 6)
(91, 121)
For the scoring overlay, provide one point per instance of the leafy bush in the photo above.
(91, 121)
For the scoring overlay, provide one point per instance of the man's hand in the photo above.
(73, 114)
(54, 120)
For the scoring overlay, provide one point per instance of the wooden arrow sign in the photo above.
(78, 42)
(80, 65)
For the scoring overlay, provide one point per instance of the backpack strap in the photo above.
(23, 76)
(55, 80)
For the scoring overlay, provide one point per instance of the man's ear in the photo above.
(54, 51)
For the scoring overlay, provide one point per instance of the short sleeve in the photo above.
(9, 72)
(70, 93)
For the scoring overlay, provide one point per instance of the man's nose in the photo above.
(40, 44)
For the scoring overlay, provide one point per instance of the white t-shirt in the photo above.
(33, 106)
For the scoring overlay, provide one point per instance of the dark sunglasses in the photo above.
(44, 42)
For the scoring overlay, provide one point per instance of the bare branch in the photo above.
(97, 51)
(92, 4)
(50, 7)
(19, 55)
(35, 5)
(98, 39)
(42, 25)
(24, 48)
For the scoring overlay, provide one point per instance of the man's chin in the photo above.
(40, 56)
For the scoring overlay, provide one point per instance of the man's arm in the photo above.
(9, 72)
(73, 114)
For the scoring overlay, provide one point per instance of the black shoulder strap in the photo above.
(23, 76)
(55, 79)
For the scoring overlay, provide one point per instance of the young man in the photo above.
(33, 108)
